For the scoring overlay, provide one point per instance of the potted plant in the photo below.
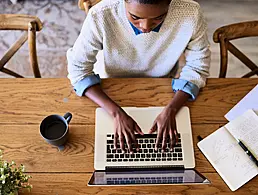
(12, 178)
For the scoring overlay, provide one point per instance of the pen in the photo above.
(251, 156)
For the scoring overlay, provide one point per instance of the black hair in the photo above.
(146, 1)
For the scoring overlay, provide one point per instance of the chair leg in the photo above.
(7, 71)
(223, 58)
(13, 49)
(32, 49)
(252, 73)
(242, 57)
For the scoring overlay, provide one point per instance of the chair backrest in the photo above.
(27, 23)
(225, 34)
(87, 4)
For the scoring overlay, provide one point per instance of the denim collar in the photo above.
(137, 31)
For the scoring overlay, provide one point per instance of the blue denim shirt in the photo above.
(137, 31)
(177, 84)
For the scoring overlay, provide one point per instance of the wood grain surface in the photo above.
(24, 144)
(28, 101)
(76, 184)
(25, 102)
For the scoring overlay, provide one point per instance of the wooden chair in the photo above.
(27, 23)
(87, 4)
(225, 34)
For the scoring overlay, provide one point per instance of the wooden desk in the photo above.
(25, 102)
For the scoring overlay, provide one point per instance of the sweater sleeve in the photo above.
(82, 56)
(197, 54)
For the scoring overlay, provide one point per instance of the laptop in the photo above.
(147, 166)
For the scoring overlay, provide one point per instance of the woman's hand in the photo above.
(165, 125)
(125, 127)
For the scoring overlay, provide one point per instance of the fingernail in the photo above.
(137, 149)
(131, 152)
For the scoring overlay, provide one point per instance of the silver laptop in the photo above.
(147, 166)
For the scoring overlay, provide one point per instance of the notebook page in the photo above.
(228, 158)
(245, 128)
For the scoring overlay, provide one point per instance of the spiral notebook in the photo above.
(226, 156)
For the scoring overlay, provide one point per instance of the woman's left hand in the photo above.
(165, 125)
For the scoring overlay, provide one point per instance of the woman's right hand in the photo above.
(125, 127)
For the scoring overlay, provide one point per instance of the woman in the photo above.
(141, 38)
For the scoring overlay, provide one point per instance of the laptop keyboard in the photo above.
(145, 180)
(146, 153)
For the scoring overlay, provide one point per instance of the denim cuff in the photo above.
(187, 87)
(85, 83)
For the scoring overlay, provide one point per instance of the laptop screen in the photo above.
(146, 177)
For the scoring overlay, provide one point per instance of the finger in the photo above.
(138, 129)
(172, 130)
(153, 128)
(115, 140)
(159, 136)
(121, 140)
(164, 140)
(133, 138)
(128, 141)
(171, 140)
(176, 136)
(175, 131)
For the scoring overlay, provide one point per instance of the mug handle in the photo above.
(68, 117)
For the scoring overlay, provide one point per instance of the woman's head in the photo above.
(146, 14)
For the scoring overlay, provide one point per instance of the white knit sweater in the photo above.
(153, 54)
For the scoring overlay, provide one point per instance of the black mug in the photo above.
(54, 129)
